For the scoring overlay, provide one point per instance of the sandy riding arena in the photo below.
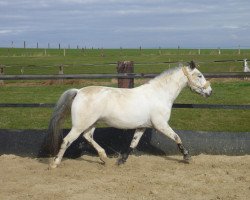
(142, 177)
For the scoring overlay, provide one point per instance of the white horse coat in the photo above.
(148, 105)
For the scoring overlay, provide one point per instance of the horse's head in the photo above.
(196, 80)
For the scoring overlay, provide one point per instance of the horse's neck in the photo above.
(171, 85)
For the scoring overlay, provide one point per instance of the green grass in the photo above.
(233, 92)
(211, 120)
(34, 61)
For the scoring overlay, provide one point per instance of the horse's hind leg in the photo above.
(137, 136)
(89, 137)
(67, 141)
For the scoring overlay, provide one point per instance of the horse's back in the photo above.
(92, 96)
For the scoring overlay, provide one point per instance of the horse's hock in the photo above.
(124, 67)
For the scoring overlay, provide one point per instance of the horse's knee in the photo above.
(177, 139)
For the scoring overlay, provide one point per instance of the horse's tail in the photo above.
(61, 111)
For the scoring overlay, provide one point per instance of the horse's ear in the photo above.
(192, 64)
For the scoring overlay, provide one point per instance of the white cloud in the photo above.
(230, 27)
(10, 31)
(5, 32)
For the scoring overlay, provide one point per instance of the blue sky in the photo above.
(126, 23)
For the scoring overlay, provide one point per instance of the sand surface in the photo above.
(142, 177)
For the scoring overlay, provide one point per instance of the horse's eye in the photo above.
(199, 76)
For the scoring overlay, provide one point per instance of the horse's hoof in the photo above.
(120, 162)
(103, 157)
(104, 160)
(187, 159)
(52, 165)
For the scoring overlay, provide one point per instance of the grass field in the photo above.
(35, 61)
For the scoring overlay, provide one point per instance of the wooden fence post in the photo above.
(102, 53)
(125, 67)
(60, 70)
(159, 50)
(1, 73)
(219, 51)
(22, 70)
(60, 73)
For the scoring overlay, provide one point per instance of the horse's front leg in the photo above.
(137, 136)
(165, 129)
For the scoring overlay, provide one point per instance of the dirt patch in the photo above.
(143, 177)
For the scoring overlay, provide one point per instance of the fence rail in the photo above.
(137, 63)
(108, 76)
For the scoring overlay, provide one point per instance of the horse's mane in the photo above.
(165, 74)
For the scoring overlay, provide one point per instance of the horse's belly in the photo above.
(127, 114)
(126, 122)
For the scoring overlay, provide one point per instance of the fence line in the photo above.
(27, 105)
(108, 76)
(139, 63)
